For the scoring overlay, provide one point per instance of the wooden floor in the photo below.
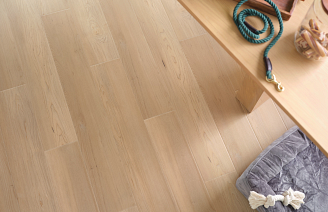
(121, 106)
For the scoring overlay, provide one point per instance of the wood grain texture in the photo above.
(133, 209)
(177, 163)
(104, 155)
(53, 117)
(184, 25)
(11, 71)
(71, 185)
(8, 194)
(24, 149)
(250, 95)
(96, 38)
(148, 183)
(225, 196)
(52, 6)
(144, 75)
(198, 124)
(305, 96)
(228, 114)
(267, 126)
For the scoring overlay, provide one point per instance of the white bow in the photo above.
(289, 197)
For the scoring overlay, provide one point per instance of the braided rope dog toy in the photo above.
(252, 35)
(289, 197)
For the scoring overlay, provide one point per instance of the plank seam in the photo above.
(105, 62)
(8, 89)
(172, 111)
(57, 147)
(56, 12)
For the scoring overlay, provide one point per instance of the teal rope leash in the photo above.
(252, 35)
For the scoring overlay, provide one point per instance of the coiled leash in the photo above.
(251, 34)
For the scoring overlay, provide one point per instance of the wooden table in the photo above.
(305, 98)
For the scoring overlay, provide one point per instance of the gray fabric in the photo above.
(292, 161)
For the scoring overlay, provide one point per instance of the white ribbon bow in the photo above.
(289, 197)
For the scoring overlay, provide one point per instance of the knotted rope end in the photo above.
(256, 200)
(293, 198)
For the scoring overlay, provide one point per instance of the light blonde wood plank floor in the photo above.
(121, 106)
(71, 185)
(41, 77)
(177, 163)
(184, 24)
(225, 196)
(138, 61)
(149, 185)
(25, 152)
(8, 200)
(229, 116)
(198, 124)
(10, 63)
(103, 155)
(96, 38)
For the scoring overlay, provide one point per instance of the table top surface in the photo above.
(305, 98)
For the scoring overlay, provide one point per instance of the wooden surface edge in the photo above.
(286, 15)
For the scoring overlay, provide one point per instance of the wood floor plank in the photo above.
(96, 38)
(228, 114)
(184, 25)
(52, 6)
(138, 61)
(198, 124)
(100, 143)
(22, 142)
(225, 196)
(267, 126)
(10, 65)
(150, 189)
(177, 163)
(70, 181)
(288, 122)
(8, 194)
(41, 77)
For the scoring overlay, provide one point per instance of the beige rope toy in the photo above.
(289, 197)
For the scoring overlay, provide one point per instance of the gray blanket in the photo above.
(292, 161)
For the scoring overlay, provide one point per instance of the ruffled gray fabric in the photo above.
(292, 161)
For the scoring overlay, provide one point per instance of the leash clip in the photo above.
(280, 88)
(268, 66)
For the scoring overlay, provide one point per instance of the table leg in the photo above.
(251, 95)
